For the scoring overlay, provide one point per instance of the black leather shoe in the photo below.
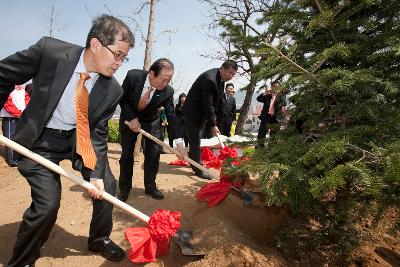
(123, 196)
(108, 249)
(12, 164)
(156, 194)
(203, 175)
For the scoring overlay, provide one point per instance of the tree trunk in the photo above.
(51, 19)
(147, 59)
(244, 110)
(149, 39)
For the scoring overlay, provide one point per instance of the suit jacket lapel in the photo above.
(220, 85)
(98, 94)
(63, 73)
(158, 96)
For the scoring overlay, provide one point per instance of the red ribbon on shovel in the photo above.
(215, 192)
(147, 243)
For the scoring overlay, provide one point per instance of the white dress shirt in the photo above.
(64, 116)
(145, 89)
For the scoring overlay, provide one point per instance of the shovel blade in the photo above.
(246, 196)
(183, 238)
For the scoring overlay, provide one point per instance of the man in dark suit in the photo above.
(227, 114)
(47, 127)
(203, 102)
(273, 108)
(144, 94)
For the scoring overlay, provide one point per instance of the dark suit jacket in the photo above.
(50, 63)
(266, 100)
(204, 98)
(179, 113)
(133, 87)
(228, 109)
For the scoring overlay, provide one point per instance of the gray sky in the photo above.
(24, 23)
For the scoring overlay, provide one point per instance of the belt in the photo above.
(59, 131)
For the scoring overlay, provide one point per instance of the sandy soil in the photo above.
(231, 234)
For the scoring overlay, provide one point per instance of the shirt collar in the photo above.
(147, 83)
(80, 67)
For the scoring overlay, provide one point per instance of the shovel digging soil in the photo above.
(182, 237)
(246, 196)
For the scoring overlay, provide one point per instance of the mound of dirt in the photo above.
(231, 234)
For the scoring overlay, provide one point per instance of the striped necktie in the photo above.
(144, 100)
(84, 145)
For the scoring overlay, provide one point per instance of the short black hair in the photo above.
(230, 64)
(182, 95)
(160, 64)
(108, 29)
(229, 84)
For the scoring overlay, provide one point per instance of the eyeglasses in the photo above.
(117, 56)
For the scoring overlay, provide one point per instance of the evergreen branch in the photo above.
(294, 64)
(364, 152)
(319, 8)
(311, 136)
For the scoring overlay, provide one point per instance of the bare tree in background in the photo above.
(149, 38)
(179, 81)
(52, 20)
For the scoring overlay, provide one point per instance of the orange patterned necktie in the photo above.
(84, 145)
(144, 100)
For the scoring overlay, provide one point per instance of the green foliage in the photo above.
(113, 131)
(340, 59)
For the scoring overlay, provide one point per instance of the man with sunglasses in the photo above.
(67, 77)
(203, 102)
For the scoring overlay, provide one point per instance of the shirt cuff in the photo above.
(178, 141)
(94, 178)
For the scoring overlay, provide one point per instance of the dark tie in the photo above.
(84, 145)
(144, 100)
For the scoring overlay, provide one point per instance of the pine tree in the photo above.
(341, 60)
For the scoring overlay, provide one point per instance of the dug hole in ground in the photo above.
(231, 234)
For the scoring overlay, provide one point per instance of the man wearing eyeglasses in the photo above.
(67, 80)
(203, 102)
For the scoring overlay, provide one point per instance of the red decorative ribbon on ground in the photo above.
(179, 162)
(149, 243)
(214, 193)
(209, 159)
(227, 152)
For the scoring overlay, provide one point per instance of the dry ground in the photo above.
(231, 234)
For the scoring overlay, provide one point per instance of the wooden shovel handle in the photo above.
(78, 180)
(220, 141)
(173, 150)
